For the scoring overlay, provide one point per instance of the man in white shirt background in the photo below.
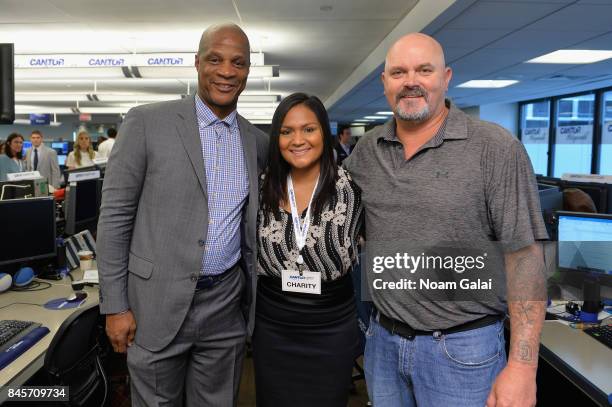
(105, 148)
(43, 159)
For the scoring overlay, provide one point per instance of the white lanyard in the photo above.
(300, 231)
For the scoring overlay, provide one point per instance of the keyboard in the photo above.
(16, 337)
(602, 333)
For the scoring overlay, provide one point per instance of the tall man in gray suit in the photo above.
(43, 159)
(176, 236)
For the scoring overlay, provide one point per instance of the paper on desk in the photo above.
(90, 276)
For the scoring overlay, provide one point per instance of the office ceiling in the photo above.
(330, 48)
(315, 44)
(492, 40)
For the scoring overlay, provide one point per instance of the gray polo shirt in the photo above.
(472, 182)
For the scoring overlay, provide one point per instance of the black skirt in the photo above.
(304, 345)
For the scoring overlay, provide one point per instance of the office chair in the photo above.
(73, 358)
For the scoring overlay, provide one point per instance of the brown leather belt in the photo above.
(405, 331)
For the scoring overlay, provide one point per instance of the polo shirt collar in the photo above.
(453, 128)
(206, 117)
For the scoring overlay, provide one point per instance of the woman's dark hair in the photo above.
(8, 151)
(273, 188)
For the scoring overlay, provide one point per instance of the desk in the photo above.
(581, 359)
(21, 369)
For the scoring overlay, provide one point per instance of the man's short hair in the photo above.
(36, 132)
(112, 132)
(342, 128)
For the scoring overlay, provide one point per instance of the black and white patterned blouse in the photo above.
(331, 246)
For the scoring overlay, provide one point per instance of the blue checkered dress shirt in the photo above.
(228, 187)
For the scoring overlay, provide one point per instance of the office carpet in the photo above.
(246, 398)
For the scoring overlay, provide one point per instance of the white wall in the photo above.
(504, 114)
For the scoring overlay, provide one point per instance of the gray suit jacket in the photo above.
(154, 218)
(47, 164)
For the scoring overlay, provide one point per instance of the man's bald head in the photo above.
(212, 31)
(416, 78)
(418, 41)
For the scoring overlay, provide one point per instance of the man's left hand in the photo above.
(515, 386)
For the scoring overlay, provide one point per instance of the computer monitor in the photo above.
(584, 248)
(551, 200)
(61, 159)
(549, 180)
(28, 231)
(26, 146)
(82, 205)
(60, 145)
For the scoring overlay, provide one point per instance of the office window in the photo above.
(535, 120)
(564, 108)
(605, 150)
(574, 136)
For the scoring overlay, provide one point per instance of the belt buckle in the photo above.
(410, 335)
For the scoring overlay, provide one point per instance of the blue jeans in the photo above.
(437, 370)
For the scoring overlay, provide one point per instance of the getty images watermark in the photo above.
(412, 264)
(476, 271)
(447, 271)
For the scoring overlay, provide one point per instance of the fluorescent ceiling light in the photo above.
(84, 96)
(572, 56)
(356, 124)
(487, 84)
(248, 105)
(266, 71)
(58, 97)
(258, 120)
(374, 117)
(256, 115)
(259, 98)
(168, 73)
(105, 110)
(136, 97)
(68, 73)
(27, 109)
(385, 113)
(364, 120)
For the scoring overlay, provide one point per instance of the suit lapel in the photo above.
(43, 153)
(190, 137)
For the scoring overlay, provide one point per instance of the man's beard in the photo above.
(418, 116)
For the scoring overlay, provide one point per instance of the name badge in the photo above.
(309, 282)
(16, 176)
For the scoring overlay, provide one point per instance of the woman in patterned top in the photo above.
(306, 334)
